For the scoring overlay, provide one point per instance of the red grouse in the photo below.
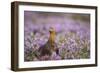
(50, 47)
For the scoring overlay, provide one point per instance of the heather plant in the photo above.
(72, 36)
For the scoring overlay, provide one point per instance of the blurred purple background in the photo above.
(72, 34)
